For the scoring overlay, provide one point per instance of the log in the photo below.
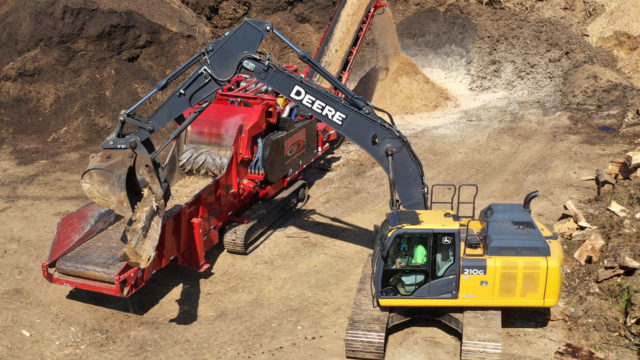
(632, 159)
(619, 169)
(577, 215)
(618, 209)
(570, 351)
(602, 179)
(589, 252)
(614, 168)
(605, 274)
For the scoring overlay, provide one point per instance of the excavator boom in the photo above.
(128, 165)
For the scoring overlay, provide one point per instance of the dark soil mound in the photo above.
(70, 67)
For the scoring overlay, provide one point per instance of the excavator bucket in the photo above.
(110, 180)
(127, 183)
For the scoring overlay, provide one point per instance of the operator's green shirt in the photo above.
(419, 255)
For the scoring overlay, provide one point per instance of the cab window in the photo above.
(408, 251)
(407, 264)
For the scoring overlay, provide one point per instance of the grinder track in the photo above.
(263, 217)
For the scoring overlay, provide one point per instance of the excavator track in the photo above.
(204, 159)
(482, 335)
(262, 219)
(367, 329)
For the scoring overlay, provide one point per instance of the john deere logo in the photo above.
(316, 105)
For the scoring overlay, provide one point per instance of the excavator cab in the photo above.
(418, 262)
(438, 258)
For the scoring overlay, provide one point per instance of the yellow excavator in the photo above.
(457, 269)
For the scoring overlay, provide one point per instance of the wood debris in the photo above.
(603, 179)
(618, 169)
(632, 159)
(589, 252)
(629, 263)
(565, 227)
(613, 269)
(577, 215)
(609, 263)
(618, 209)
(570, 351)
(605, 274)
(630, 320)
(614, 167)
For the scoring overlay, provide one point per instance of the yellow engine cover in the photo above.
(506, 281)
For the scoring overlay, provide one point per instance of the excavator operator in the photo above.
(419, 257)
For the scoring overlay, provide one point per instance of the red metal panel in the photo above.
(78, 227)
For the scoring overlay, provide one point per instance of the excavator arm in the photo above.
(383, 141)
(128, 178)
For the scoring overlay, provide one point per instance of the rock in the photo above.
(602, 179)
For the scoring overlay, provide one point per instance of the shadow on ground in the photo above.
(166, 279)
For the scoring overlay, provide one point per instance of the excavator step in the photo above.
(97, 259)
(367, 329)
(263, 219)
(482, 335)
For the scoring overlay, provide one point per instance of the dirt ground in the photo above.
(524, 118)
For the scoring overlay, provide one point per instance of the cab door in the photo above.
(445, 266)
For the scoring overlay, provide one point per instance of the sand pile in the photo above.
(403, 89)
(618, 30)
(396, 83)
